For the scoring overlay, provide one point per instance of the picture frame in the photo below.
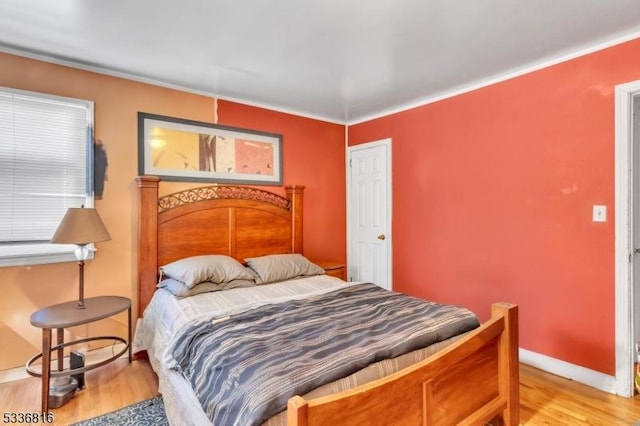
(177, 149)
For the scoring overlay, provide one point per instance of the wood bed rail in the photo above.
(468, 383)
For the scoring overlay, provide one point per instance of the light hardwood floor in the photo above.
(545, 399)
(107, 389)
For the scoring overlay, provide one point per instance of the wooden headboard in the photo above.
(238, 221)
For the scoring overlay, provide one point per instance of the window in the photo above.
(46, 166)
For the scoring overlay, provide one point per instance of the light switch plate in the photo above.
(599, 213)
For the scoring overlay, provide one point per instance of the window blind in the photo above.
(45, 162)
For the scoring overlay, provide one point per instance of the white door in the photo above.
(369, 213)
(635, 197)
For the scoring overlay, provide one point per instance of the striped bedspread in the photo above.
(244, 367)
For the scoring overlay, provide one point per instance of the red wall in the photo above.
(492, 201)
(313, 156)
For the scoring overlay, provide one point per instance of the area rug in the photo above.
(148, 412)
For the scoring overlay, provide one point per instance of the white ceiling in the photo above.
(339, 60)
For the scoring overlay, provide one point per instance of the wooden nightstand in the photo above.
(332, 268)
(65, 315)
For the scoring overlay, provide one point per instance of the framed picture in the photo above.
(186, 150)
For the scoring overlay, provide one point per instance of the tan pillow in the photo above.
(214, 268)
(281, 267)
(180, 290)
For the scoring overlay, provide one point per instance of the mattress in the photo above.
(166, 317)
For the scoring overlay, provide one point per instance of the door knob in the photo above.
(381, 237)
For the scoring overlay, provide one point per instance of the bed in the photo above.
(464, 378)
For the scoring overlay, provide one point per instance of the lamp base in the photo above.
(81, 305)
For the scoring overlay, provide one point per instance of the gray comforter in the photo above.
(245, 367)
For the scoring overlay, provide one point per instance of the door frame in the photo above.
(624, 227)
(374, 144)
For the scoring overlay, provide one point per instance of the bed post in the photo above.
(297, 411)
(294, 194)
(147, 239)
(509, 365)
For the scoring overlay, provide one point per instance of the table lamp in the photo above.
(81, 226)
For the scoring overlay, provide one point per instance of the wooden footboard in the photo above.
(467, 383)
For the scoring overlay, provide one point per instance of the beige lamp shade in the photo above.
(81, 226)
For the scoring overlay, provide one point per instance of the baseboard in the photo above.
(91, 357)
(595, 379)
